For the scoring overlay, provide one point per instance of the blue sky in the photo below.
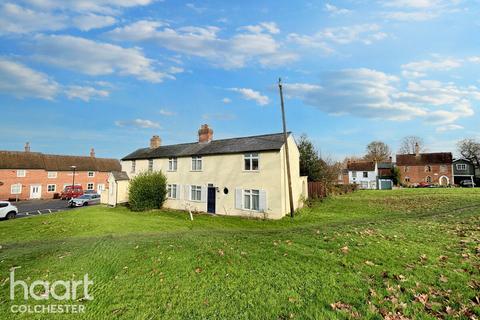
(111, 73)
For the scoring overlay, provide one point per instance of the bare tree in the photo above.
(377, 151)
(408, 145)
(470, 150)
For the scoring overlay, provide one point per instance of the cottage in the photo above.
(34, 175)
(463, 170)
(431, 168)
(363, 173)
(241, 176)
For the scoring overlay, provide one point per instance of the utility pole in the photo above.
(287, 153)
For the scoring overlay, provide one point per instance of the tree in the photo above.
(377, 151)
(147, 191)
(408, 145)
(470, 150)
(310, 165)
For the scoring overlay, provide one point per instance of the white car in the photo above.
(7, 210)
(85, 200)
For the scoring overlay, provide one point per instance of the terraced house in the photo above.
(241, 176)
(34, 175)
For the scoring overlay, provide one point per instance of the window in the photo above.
(51, 187)
(150, 165)
(21, 173)
(172, 164)
(407, 168)
(407, 179)
(90, 186)
(172, 191)
(251, 162)
(365, 174)
(16, 188)
(354, 174)
(134, 164)
(461, 167)
(196, 193)
(251, 199)
(91, 174)
(428, 169)
(52, 174)
(196, 163)
(100, 187)
(428, 179)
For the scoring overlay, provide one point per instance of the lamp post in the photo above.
(73, 176)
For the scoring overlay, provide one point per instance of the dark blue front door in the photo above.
(211, 199)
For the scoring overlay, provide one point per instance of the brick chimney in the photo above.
(205, 134)
(155, 142)
(92, 153)
(417, 149)
(27, 147)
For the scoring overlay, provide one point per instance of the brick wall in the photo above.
(419, 174)
(40, 177)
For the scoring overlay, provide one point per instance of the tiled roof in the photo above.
(361, 166)
(424, 159)
(268, 142)
(50, 162)
(120, 175)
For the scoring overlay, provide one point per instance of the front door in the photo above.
(211, 198)
(35, 192)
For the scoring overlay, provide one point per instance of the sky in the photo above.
(109, 74)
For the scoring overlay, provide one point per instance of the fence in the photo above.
(316, 190)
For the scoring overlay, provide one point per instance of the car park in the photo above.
(85, 200)
(7, 210)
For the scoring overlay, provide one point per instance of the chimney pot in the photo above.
(205, 134)
(155, 142)
(92, 153)
(27, 147)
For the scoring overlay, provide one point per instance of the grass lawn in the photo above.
(404, 254)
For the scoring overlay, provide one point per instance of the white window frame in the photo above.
(249, 158)
(354, 174)
(251, 193)
(54, 188)
(197, 163)
(194, 192)
(92, 184)
(91, 174)
(172, 164)
(172, 191)
(52, 174)
(461, 166)
(21, 173)
(100, 187)
(150, 165)
(18, 188)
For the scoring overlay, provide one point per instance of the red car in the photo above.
(71, 192)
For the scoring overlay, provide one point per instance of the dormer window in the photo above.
(251, 162)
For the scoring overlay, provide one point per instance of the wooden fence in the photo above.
(316, 190)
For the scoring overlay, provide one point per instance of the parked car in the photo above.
(424, 185)
(84, 200)
(7, 210)
(89, 192)
(71, 192)
(467, 184)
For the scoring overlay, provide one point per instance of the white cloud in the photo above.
(16, 19)
(94, 6)
(21, 81)
(413, 3)
(419, 10)
(85, 93)
(428, 65)
(410, 16)
(376, 95)
(93, 21)
(167, 113)
(96, 58)
(330, 8)
(138, 123)
(227, 100)
(204, 42)
(249, 94)
(269, 27)
(193, 7)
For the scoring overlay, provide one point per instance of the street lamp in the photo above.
(73, 177)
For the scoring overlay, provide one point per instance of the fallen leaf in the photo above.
(443, 258)
(443, 278)
(344, 249)
(220, 252)
(198, 270)
(369, 263)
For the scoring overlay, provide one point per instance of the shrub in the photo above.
(147, 191)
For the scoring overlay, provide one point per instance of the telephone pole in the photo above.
(287, 153)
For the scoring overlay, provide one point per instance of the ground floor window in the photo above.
(429, 179)
(251, 199)
(196, 193)
(90, 186)
(51, 187)
(16, 188)
(172, 191)
(364, 184)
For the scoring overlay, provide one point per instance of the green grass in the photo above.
(412, 253)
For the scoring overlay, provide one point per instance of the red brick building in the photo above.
(34, 175)
(432, 168)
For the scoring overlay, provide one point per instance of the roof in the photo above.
(120, 175)
(50, 162)
(361, 166)
(267, 142)
(385, 165)
(424, 159)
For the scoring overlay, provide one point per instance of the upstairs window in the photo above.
(407, 168)
(172, 164)
(91, 174)
(461, 167)
(52, 174)
(196, 163)
(134, 164)
(251, 162)
(365, 174)
(428, 169)
(150, 165)
(21, 173)
(354, 174)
